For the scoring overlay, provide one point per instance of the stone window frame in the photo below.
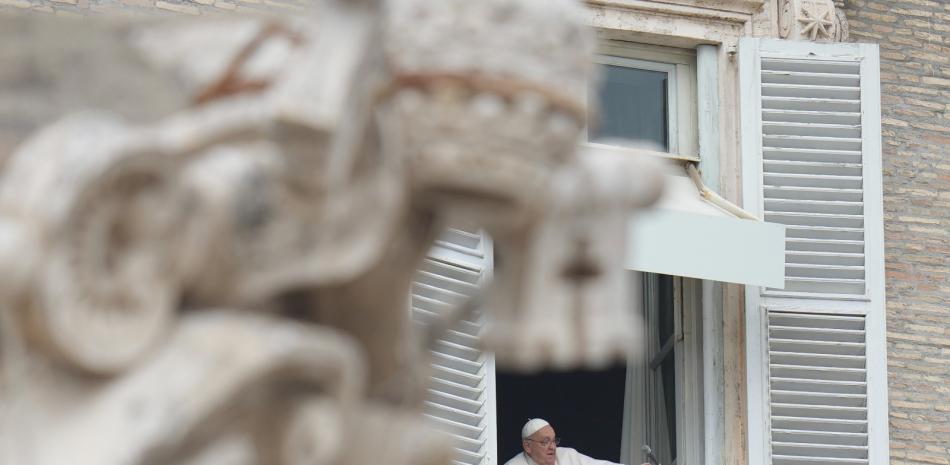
(713, 28)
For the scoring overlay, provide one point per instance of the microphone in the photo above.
(650, 457)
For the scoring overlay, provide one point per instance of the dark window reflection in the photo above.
(633, 106)
(666, 332)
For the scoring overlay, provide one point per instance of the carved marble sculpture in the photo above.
(228, 285)
(814, 20)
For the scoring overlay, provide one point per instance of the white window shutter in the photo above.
(811, 159)
(462, 389)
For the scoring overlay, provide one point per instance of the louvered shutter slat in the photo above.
(456, 363)
(433, 279)
(819, 437)
(438, 293)
(844, 260)
(456, 376)
(462, 339)
(821, 450)
(453, 414)
(805, 116)
(791, 345)
(801, 88)
(822, 155)
(824, 271)
(788, 77)
(431, 304)
(787, 460)
(798, 192)
(824, 286)
(824, 245)
(455, 389)
(818, 398)
(426, 311)
(455, 272)
(828, 426)
(462, 430)
(456, 402)
(780, 204)
(466, 241)
(459, 391)
(809, 104)
(792, 371)
(784, 165)
(788, 128)
(824, 233)
(817, 334)
(819, 385)
(468, 353)
(816, 219)
(808, 66)
(817, 180)
(811, 142)
(823, 411)
(797, 358)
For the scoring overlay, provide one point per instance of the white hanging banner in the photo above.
(684, 235)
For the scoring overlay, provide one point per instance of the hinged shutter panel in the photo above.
(812, 171)
(461, 394)
(817, 388)
(811, 158)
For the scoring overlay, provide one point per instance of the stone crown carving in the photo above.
(227, 285)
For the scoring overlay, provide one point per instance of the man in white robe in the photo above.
(540, 448)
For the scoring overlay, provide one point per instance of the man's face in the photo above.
(540, 446)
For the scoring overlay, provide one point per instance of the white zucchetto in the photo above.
(532, 426)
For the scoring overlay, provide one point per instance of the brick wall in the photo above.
(914, 36)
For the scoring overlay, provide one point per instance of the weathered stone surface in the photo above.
(224, 280)
(814, 20)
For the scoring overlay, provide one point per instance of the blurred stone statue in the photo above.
(228, 285)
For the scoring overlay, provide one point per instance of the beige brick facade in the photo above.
(914, 36)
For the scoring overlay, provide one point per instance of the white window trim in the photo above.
(491, 395)
(687, 334)
(672, 89)
(690, 437)
(680, 64)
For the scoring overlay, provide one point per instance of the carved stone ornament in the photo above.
(812, 20)
(228, 284)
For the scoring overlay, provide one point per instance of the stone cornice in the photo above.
(667, 24)
(739, 11)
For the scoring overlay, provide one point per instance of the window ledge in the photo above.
(719, 9)
(633, 151)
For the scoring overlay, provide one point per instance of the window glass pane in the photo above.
(665, 314)
(633, 105)
(667, 370)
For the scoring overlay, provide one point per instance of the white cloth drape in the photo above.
(565, 456)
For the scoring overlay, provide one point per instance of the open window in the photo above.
(664, 398)
(647, 98)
